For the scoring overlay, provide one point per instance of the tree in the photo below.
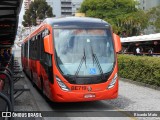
(121, 14)
(38, 9)
(154, 17)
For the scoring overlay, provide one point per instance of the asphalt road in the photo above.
(81, 110)
(131, 98)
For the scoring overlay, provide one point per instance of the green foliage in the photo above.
(154, 16)
(121, 14)
(140, 68)
(27, 20)
(39, 9)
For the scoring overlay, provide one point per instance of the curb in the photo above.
(140, 84)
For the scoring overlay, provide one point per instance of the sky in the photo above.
(21, 14)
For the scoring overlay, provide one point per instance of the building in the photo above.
(76, 4)
(27, 3)
(63, 8)
(66, 8)
(60, 8)
(147, 4)
(55, 4)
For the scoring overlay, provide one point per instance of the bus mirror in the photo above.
(117, 42)
(47, 45)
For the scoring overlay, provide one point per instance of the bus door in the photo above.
(34, 59)
(38, 55)
(46, 64)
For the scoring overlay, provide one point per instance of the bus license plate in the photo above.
(89, 96)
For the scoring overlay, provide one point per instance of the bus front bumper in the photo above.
(86, 96)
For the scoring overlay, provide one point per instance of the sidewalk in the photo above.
(25, 102)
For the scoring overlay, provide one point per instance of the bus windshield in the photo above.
(84, 52)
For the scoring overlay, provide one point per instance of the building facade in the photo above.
(76, 4)
(147, 4)
(27, 3)
(62, 8)
(66, 8)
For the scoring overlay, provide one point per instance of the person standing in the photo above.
(5, 54)
(138, 51)
(150, 52)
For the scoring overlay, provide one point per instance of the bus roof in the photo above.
(150, 37)
(76, 22)
(70, 22)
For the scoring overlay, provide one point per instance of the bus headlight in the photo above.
(62, 85)
(112, 83)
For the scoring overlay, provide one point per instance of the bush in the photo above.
(140, 68)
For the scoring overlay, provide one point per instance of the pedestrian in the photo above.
(5, 55)
(138, 51)
(150, 52)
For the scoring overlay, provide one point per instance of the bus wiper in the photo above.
(94, 56)
(81, 62)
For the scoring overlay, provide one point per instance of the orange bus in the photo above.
(73, 59)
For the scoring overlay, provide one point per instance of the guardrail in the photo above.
(9, 71)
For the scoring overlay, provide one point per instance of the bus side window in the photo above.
(30, 48)
(35, 48)
(26, 49)
(41, 48)
(23, 49)
(38, 46)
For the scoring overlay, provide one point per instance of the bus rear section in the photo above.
(80, 60)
